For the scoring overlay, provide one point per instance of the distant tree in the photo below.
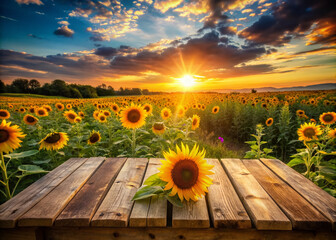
(20, 85)
(34, 85)
(75, 93)
(253, 90)
(45, 90)
(59, 88)
(2, 87)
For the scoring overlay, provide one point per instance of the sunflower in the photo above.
(309, 131)
(215, 109)
(148, 108)
(269, 122)
(47, 107)
(68, 106)
(133, 116)
(313, 120)
(10, 137)
(185, 172)
(41, 112)
(300, 113)
(158, 128)
(102, 118)
(70, 116)
(31, 109)
(328, 118)
(94, 137)
(96, 114)
(59, 106)
(166, 113)
(107, 113)
(115, 108)
(78, 119)
(54, 141)
(180, 111)
(332, 133)
(4, 114)
(22, 110)
(30, 120)
(81, 114)
(195, 122)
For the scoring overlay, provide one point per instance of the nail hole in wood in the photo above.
(151, 235)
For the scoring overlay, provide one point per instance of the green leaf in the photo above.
(254, 147)
(146, 192)
(120, 141)
(250, 154)
(251, 142)
(42, 161)
(267, 150)
(295, 161)
(174, 200)
(328, 172)
(31, 169)
(155, 180)
(21, 154)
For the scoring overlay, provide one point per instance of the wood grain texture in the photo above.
(45, 212)
(169, 233)
(319, 198)
(264, 212)
(191, 215)
(21, 234)
(116, 207)
(82, 207)
(149, 212)
(11, 210)
(301, 213)
(226, 209)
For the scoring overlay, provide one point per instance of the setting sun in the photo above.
(187, 80)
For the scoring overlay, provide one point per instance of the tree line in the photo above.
(61, 88)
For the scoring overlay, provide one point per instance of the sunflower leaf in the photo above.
(21, 154)
(155, 180)
(31, 169)
(146, 192)
(174, 200)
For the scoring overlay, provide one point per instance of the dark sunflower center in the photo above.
(4, 135)
(158, 126)
(133, 116)
(185, 174)
(269, 121)
(102, 118)
(94, 138)
(147, 109)
(30, 119)
(194, 122)
(328, 118)
(3, 114)
(114, 108)
(54, 138)
(31, 110)
(166, 114)
(41, 112)
(215, 110)
(309, 132)
(71, 116)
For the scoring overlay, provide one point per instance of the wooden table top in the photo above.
(262, 194)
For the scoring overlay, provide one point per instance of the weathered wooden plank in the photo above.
(181, 234)
(225, 207)
(319, 198)
(116, 207)
(21, 234)
(11, 210)
(302, 214)
(149, 212)
(45, 211)
(82, 207)
(191, 215)
(264, 212)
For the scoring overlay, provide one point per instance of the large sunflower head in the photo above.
(70, 116)
(133, 116)
(54, 141)
(269, 122)
(115, 108)
(195, 122)
(166, 113)
(328, 118)
(41, 112)
(30, 120)
(186, 172)
(148, 108)
(215, 109)
(4, 114)
(158, 128)
(309, 131)
(94, 137)
(10, 137)
(59, 106)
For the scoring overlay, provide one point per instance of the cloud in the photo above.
(64, 31)
(165, 5)
(290, 19)
(38, 2)
(66, 23)
(34, 36)
(8, 18)
(106, 52)
(40, 13)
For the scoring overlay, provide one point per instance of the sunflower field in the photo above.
(37, 135)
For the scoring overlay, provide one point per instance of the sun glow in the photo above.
(187, 80)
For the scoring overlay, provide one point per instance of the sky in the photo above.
(170, 45)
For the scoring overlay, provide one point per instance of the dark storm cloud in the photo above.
(291, 19)
(106, 52)
(64, 31)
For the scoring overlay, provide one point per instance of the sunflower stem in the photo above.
(133, 141)
(4, 177)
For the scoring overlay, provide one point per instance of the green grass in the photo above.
(26, 95)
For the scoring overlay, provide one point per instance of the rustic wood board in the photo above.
(264, 212)
(116, 207)
(82, 207)
(225, 207)
(319, 198)
(11, 210)
(45, 211)
(149, 212)
(302, 214)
